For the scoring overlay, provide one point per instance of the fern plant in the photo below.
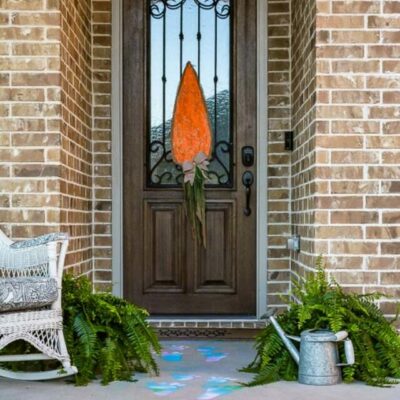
(106, 336)
(325, 305)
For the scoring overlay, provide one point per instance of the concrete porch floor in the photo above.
(194, 370)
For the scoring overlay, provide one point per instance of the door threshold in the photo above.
(207, 327)
(210, 317)
(207, 322)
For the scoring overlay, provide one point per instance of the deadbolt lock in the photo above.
(248, 156)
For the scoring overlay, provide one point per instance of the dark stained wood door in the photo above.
(163, 269)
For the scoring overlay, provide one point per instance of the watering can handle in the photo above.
(340, 336)
(349, 353)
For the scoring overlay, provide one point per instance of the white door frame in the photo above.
(262, 153)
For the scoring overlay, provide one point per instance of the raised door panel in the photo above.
(163, 247)
(215, 266)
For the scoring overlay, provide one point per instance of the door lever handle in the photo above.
(247, 180)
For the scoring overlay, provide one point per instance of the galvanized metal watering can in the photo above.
(318, 359)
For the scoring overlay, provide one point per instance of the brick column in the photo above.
(30, 108)
(357, 192)
(303, 115)
(76, 131)
(102, 251)
(45, 125)
(278, 187)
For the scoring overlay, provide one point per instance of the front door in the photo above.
(164, 271)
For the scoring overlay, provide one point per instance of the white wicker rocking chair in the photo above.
(29, 271)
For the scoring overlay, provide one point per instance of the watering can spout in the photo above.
(285, 339)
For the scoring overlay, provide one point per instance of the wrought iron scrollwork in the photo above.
(159, 7)
(161, 173)
(220, 148)
(161, 170)
(222, 7)
(171, 175)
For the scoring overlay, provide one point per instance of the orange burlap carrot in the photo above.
(191, 130)
(191, 137)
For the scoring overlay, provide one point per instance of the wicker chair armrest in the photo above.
(40, 240)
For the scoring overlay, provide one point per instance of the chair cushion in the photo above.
(40, 240)
(27, 293)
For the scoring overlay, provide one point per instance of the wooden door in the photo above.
(163, 269)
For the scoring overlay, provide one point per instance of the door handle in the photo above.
(247, 180)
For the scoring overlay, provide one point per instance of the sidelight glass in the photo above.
(199, 31)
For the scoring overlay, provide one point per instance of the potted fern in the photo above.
(106, 335)
(323, 304)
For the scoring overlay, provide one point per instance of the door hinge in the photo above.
(289, 140)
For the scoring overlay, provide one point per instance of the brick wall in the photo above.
(102, 143)
(45, 125)
(303, 55)
(279, 109)
(358, 143)
(30, 111)
(76, 131)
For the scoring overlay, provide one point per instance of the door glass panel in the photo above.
(199, 31)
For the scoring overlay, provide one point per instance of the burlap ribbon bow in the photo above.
(189, 167)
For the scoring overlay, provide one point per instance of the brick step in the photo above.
(207, 328)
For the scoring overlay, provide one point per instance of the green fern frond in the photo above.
(319, 303)
(105, 335)
(109, 336)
